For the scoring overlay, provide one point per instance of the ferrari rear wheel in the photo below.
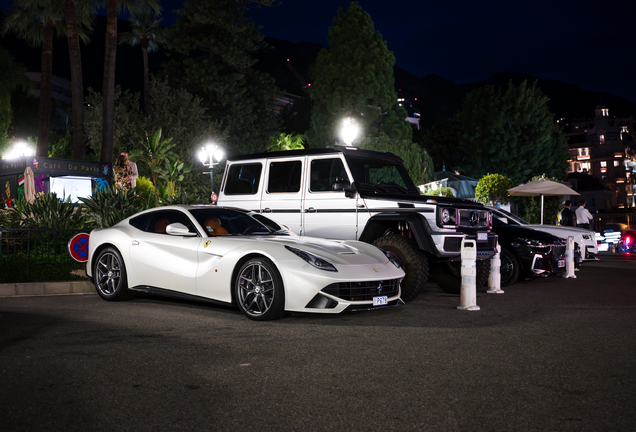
(259, 290)
(109, 275)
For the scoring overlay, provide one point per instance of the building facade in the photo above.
(604, 148)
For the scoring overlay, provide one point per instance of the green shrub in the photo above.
(110, 206)
(47, 211)
(38, 269)
(493, 189)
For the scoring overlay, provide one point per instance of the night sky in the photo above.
(588, 43)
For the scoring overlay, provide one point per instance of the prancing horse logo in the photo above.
(380, 288)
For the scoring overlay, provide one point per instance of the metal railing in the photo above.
(31, 243)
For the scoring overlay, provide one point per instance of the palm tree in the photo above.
(37, 22)
(13, 77)
(145, 30)
(154, 151)
(75, 18)
(113, 7)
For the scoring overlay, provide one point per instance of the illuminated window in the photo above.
(583, 151)
(604, 112)
(617, 163)
(603, 163)
(602, 139)
(585, 166)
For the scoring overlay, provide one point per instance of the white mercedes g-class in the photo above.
(349, 193)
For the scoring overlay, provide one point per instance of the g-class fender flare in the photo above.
(417, 224)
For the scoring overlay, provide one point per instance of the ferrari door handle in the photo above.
(135, 242)
(267, 210)
(310, 210)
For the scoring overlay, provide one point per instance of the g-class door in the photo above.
(327, 212)
(282, 194)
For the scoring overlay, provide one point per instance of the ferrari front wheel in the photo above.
(259, 290)
(109, 275)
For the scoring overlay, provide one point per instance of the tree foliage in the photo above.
(509, 131)
(493, 189)
(179, 114)
(212, 44)
(354, 78)
(286, 142)
(416, 160)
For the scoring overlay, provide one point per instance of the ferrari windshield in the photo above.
(221, 221)
(382, 175)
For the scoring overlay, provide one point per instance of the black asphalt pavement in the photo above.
(548, 355)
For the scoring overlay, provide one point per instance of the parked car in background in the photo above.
(221, 255)
(585, 239)
(526, 252)
(628, 238)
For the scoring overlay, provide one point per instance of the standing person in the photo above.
(133, 170)
(122, 173)
(583, 215)
(567, 218)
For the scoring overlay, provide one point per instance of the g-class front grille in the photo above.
(360, 291)
(473, 218)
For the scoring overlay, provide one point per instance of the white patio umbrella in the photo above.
(542, 187)
(29, 185)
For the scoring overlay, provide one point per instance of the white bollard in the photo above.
(468, 294)
(569, 259)
(494, 278)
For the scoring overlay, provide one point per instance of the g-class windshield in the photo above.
(383, 176)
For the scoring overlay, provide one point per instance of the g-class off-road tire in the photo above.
(448, 276)
(414, 263)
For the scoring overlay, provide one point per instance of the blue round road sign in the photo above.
(78, 247)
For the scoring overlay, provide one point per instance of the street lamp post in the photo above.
(349, 131)
(210, 156)
(20, 148)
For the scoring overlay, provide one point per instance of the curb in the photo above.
(46, 288)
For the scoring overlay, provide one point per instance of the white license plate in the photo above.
(482, 236)
(561, 263)
(380, 301)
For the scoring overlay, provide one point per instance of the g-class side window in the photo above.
(243, 179)
(284, 176)
(325, 173)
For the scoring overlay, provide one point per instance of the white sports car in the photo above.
(237, 257)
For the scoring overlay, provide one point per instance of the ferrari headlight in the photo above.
(314, 260)
(393, 258)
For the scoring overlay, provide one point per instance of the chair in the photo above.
(160, 225)
(213, 226)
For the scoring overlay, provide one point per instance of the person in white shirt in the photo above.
(583, 216)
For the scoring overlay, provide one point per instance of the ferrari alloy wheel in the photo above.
(509, 268)
(110, 275)
(259, 290)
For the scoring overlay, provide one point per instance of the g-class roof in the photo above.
(346, 150)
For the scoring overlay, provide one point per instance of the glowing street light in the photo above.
(20, 148)
(349, 131)
(210, 156)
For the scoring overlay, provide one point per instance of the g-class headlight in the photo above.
(448, 217)
(314, 260)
